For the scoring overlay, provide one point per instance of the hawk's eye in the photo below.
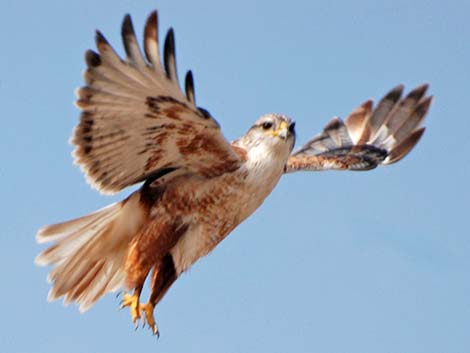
(267, 125)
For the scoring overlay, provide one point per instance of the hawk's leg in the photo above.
(164, 275)
(132, 301)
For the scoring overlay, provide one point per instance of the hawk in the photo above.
(137, 126)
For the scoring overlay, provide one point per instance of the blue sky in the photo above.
(332, 262)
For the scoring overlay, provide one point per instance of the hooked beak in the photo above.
(282, 131)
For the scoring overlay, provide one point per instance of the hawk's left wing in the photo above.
(369, 137)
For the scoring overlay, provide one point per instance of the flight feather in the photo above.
(135, 119)
(369, 137)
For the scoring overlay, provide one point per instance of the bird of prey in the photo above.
(137, 126)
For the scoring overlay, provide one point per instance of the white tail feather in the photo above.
(89, 253)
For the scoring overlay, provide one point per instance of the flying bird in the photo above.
(137, 126)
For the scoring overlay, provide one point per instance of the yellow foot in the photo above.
(132, 301)
(147, 309)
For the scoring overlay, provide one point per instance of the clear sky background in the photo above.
(332, 262)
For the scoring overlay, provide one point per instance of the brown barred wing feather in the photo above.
(369, 137)
(136, 120)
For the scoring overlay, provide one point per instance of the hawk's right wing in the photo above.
(135, 120)
(369, 137)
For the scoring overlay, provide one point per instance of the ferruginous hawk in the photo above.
(136, 126)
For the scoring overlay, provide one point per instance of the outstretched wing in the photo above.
(369, 137)
(135, 120)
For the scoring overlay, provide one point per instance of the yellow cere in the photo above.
(282, 126)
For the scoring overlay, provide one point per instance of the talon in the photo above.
(132, 301)
(147, 309)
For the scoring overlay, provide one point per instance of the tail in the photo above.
(89, 252)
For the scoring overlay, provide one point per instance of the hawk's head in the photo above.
(273, 133)
(268, 145)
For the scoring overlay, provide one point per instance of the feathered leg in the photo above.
(149, 250)
(137, 268)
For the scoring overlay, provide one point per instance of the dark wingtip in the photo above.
(424, 105)
(151, 37)
(169, 51)
(153, 16)
(129, 40)
(92, 58)
(424, 87)
(189, 87)
(333, 124)
(418, 92)
(395, 93)
(170, 40)
(151, 25)
(367, 105)
(127, 28)
(205, 113)
(100, 39)
(405, 147)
